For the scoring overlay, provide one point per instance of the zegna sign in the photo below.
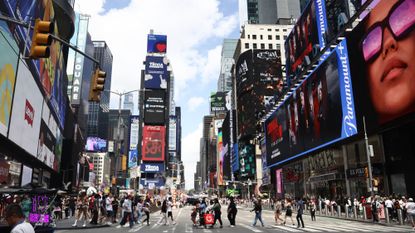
(152, 167)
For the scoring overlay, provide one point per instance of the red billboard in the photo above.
(153, 143)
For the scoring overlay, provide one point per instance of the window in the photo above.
(285, 37)
(247, 45)
(261, 37)
(249, 36)
(269, 46)
(277, 30)
(262, 46)
(269, 37)
(278, 37)
(269, 29)
(278, 47)
(254, 46)
(254, 37)
(284, 30)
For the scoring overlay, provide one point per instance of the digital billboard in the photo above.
(95, 144)
(218, 102)
(8, 66)
(306, 40)
(153, 143)
(154, 107)
(152, 167)
(134, 128)
(132, 158)
(247, 160)
(244, 72)
(382, 66)
(156, 43)
(156, 75)
(266, 176)
(319, 112)
(172, 133)
(26, 111)
(48, 71)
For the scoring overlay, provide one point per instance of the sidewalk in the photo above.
(66, 224)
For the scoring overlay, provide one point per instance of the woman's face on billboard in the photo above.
(391, 60)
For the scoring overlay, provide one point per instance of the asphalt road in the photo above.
(243, 224)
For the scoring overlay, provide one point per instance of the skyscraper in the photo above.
(288, 9)
(96, 110)
(225, 76)
(129, 102)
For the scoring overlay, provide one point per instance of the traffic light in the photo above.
(97, 85)
(41, 39)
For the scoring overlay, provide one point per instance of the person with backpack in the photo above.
(217, 211)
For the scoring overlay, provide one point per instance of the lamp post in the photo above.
(118, 147)
(368, 155)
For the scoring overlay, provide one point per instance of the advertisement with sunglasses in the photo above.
(382, 51)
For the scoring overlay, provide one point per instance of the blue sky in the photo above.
(195, 31)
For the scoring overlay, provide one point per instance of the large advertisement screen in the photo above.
(172, 133)
(247, 162)
(95, 144)
(8, 66)
(156, 43)
(26, 112)
(134, 128)
(156, 75)
(382, 64)
(244, 72)
(218, 102)
(132, 158)
(154, 107)
(306, 40)
(153, 143)
(49, 71)
(319, 112)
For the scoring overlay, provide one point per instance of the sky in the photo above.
(195, 31)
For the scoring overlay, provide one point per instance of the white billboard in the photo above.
(172, 133)
(134, 132)
(26, 112)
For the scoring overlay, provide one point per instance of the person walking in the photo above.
(300, 211)
(109, 208)
(127, 207)
(258, 212)
(232, 211)
(375, 207)
(288, 212)
(410, 211)
(115, 205)
(217, 211)
(202, 211)
(15, 218)
(163, 212)
(313, 210)
(139, 211)
(82, 205)
(170, 210)
(146, 209)
(278, 210)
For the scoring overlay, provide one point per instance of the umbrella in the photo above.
(91, 190)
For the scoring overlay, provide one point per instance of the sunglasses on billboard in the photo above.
(400, 21)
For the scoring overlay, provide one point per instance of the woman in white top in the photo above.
(410, 211)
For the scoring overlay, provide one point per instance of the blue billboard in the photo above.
(156, 43)
(132, 158)
(318, 113)
(152, 167)
(152, 183)
(156, 76)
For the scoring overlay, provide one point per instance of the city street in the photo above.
(243, 224)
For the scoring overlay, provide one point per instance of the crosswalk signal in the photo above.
(41, 39)
(97, 85)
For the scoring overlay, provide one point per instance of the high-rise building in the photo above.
(129, 102)
(267, 11)
(102, 167)
(225, 76)
(103, 54)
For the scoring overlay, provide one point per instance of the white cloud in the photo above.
(187, 24)
(195, 102)
(190, 154)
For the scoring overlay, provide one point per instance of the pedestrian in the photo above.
(278, 210)
(109, 208)
(127, 207)
(16, 220)
(82, 205)
(202, 211)
(139, 211)
(232, 211)
(146, 209)
(26, 206)
(300, 211)
(313, 210)
(410, 211)
(94, 208)
(115, 205)
(72, 206)
(288, 212)
(258, 212)
(163, 212)
(170, 210)
(193, 215)
(217, 211)
(375, 207)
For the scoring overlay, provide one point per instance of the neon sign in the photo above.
(39, 210)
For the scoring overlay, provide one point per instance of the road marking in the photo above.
(135, 229)
(188, 229)
(250, 228)
(165, 231)
(207, 231)
(290, 229)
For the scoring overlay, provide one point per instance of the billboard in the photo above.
(154, 107)
(48, 71)
(244, 72)
(95, 144)
(76, 73)
(266, 176)
(172, 133)
(156, 43)
(319, 112)
(235, 158)
(8, 67)
(156, 75)
(306, 40)
(26, 112)
(247, 161)
(382, 67)
(153, 143)
(134, 127)
(152, 167)
(132, 158)
(152, 183)
(218, 102)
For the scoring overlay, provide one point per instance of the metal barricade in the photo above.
(400, 217)
(339, 211)
(346, 210)
(387, 220)
(364, 213)
(355, 212)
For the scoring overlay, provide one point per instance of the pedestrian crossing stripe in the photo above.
(251, 228)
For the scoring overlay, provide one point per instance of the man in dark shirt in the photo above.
(300, 211)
